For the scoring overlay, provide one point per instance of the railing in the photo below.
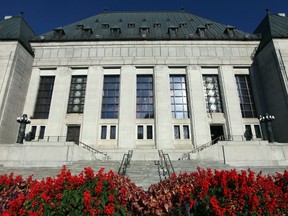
(94, 151)
(46, 138)
(186, 156)
(125, 162)
(165, 164)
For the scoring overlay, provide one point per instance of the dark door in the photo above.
(73, 133)
(217, 133)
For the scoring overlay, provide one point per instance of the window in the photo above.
(212, 93)
(157, 25)
(145, 100)
(176, 131)
(248, 132)
(178, 93)
(144, 31)
(257, 131)
(105, 26)
(172, 31)
(201, 31)
(144, 132)
(140, 132)
(110, 98)
(113, 132)
(131, 25)
(108, 130)
(186, 132)
(245, 96)
(149, 132)
(181, 132)
(44, 96)
(103, 132)
(115, 31)
(42, 132)
(77, 94)
(33, 132)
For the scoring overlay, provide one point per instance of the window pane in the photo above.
(113, 132)
(140, 132)
(186, 132)
(245, 96)
(42, 132)
(103, 132)
(257, 131)
(110, 98)
(145, 97)
(149, 132)
(77, 94)
(44, 96)
(177, 132)
(212, 93)
(178, 96)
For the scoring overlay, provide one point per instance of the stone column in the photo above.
(92, 107)
(127, 109)
(58, 108)
(231, 102)
(199, 121)
(163, 116)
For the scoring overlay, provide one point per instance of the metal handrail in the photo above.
(166, 163)
(93, 150)
(201, 148)
(125, 162)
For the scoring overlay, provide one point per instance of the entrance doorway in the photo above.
(73, 133)
(217, 133)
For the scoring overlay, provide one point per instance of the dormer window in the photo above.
(157, 25)
(230, 31)
(115, 31)
(183, 25)
(172, 31)
(208, 25)
(87, 31)
(131, 25)
(79, 26)
(59, 32)
(105, 26)
(143, 31)
(201, 31)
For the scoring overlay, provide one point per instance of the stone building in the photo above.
(145, 81)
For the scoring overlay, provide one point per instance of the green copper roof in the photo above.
(145, 26)
(16, 28)
(272, 26)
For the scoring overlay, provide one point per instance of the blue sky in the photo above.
(43, 16)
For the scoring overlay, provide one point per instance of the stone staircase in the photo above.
(142, 173)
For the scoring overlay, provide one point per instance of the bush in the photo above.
(199, 193)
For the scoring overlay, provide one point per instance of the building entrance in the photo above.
(217, 133)
(73, 133)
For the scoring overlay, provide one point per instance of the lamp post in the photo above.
(267, 118)
(23, 121)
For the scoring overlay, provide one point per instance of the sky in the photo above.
(47, 15)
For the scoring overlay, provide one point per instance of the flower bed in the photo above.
(198, 193)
